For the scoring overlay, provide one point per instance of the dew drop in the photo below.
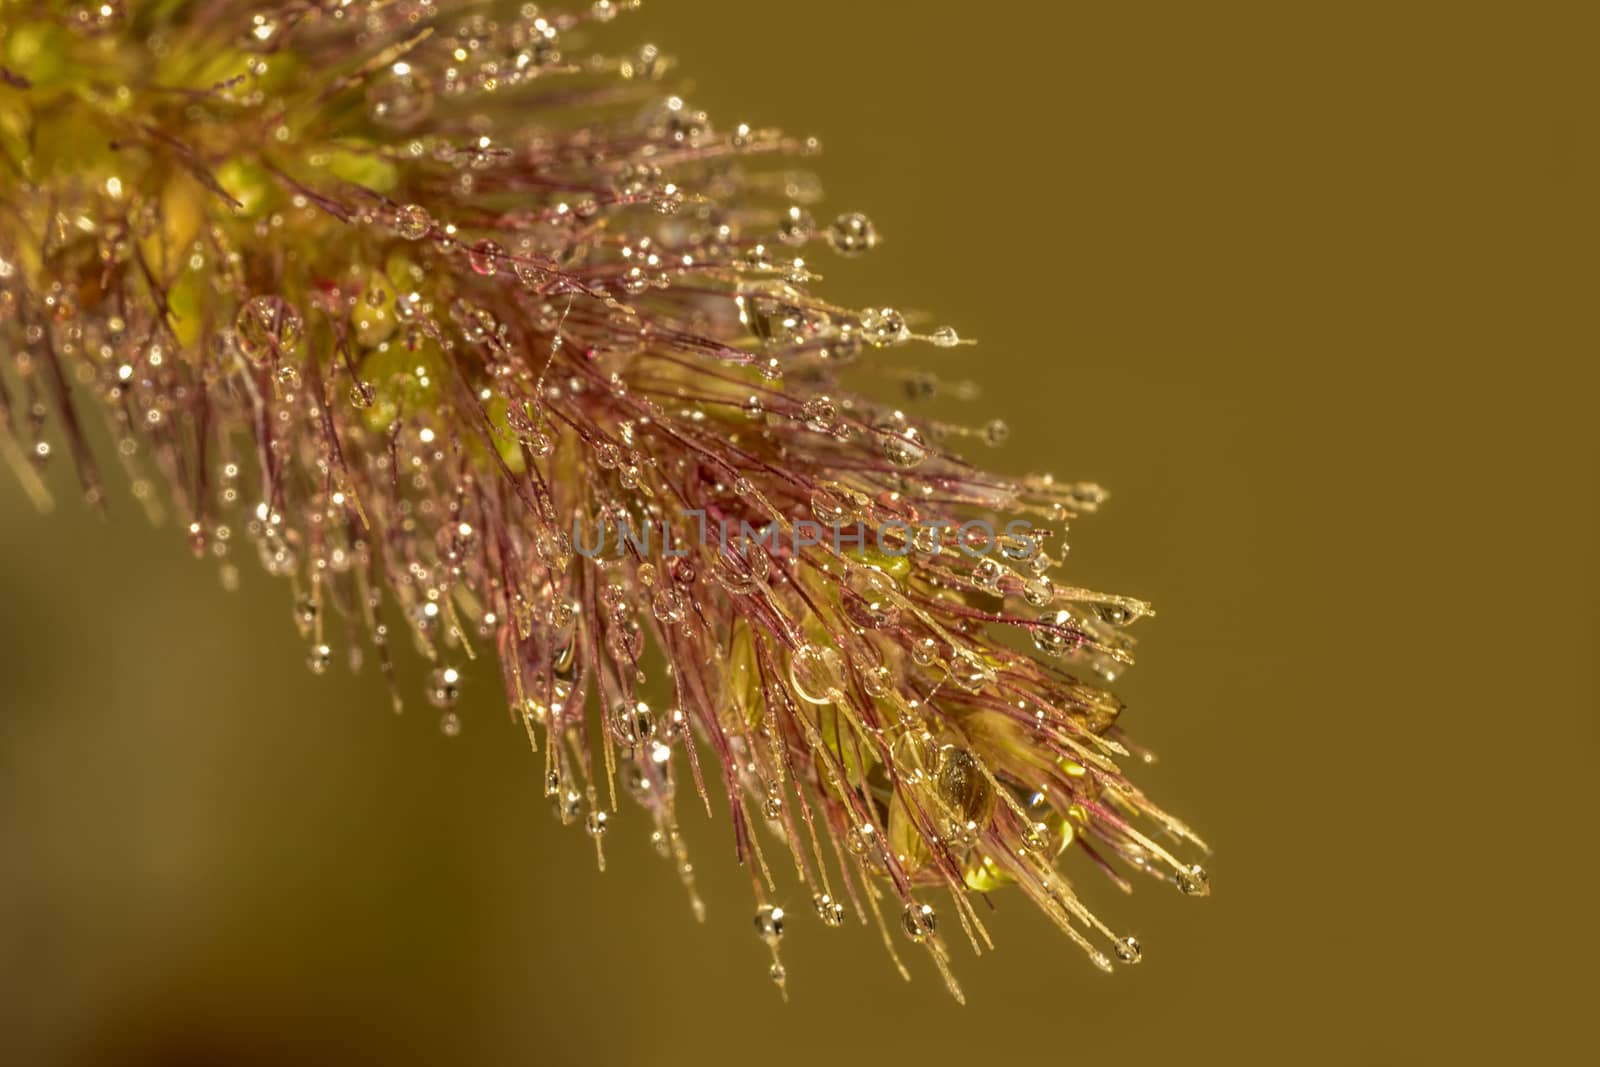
(413, 222)
(852, 234)
(320, 658)
(769, 923)
(450, 724)
(399, 97)
(485, 257)
(444, 687)
(267, 325)
(668, 606)
(996, 432)
(363, 395)
(595, 824)
(882, 327)
(1128, 950)
(796, 226)
(819, 413)
(945, 337)
(1053, 642)
(1193, 881)
(1039, 591)
(919, 921)
(902, 443)
(1115, 614)
(816, 674)
(830, 911)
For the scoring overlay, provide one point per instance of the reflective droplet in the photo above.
(919, 921)
(1055, 642)
(363, 395)
(852, 234)
(399, 97)
(996, 432)
(882, 327)
(413, 222)
(901, 442)
(945, 337)
(796, 226)
(819, 413)
(1039, 591)
(1194, 881)
(668, 606)
(970, 673)
(816, 674)
(486, 256)
(319, 659)
(963, 785)
(595, 824)
(830, 911)
(640, 725)
(769, 923)
(450, 724)
(1115, 614)
(1128, 950)
(444, 687)
(266, 325)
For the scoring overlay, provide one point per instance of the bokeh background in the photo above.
(1299, 283)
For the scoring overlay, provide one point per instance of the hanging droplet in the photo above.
(882, 327)
(485, 257)
(877, 680)
(450, 724)
(413, 222)
(596, 823)
(796, 226)
(919, 921)
(1115, 614)
(996, 432)
(1194, 881)
(1128, 950)
(266, 325)
(399, 96)
(819, 413)
(963, 785)
(320, 658)
(830, 911)
(1039, 591)
(945, 337)
(871, 603)
(363, 395)
(852, 234)
(1055, 642)
(970, 673)
(816, 674)
(769, 923)
(640, 725)
(987, 573)
(444, 687)
(901, 442)
(668, 606)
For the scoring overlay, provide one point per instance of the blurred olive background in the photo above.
(1298, 283)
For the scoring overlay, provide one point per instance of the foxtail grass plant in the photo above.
(395, 296)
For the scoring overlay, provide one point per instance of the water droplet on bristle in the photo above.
(852, 234)
(266, 325)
